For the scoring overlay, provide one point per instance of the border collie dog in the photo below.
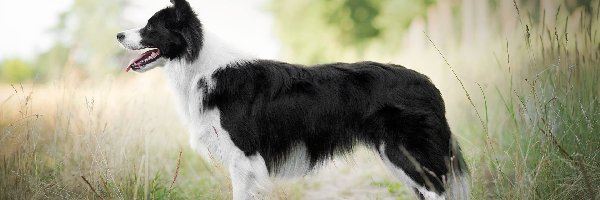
(265, 118)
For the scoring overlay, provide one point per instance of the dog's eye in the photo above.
(149, 27)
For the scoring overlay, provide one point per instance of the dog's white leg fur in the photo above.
(396, 171)
(429, 195)
(249, 177)
(400, 174)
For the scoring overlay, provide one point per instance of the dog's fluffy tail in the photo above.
(457, 182)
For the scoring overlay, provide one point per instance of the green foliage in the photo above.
(46, 66)
(51, 64)
(91, 26)
(16, 70)
(352, 18)
(341, 25)
(85, 34)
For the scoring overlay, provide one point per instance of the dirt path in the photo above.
(361, 177)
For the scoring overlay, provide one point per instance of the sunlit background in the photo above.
(519, 79)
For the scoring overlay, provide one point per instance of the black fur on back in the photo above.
(267, 107)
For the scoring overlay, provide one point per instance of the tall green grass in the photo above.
(542, 124)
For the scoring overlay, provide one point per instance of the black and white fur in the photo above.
(265, 118)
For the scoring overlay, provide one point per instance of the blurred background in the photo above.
(519, 79)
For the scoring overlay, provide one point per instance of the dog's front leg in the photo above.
(249, 177)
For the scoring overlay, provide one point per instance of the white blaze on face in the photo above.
(132, 39)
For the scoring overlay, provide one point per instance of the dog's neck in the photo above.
(185, 76)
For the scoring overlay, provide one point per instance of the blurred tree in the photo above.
(395, 18)
(353, 19)
(16, 70)
(86, 32)
(50, 64)
(45, 66)
(85, 36)
(341, 25)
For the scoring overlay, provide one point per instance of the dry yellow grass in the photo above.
(114, 132)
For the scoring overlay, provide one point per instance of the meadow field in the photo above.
(520, 81)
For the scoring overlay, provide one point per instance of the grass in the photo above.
(526, 112)
(541, 136)
(77, 144)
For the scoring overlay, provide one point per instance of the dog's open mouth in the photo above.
(144, 59)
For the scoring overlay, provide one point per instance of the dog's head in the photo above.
(171, 33)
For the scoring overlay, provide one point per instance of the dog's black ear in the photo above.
(182, 9)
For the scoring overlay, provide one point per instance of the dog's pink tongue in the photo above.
(143, 58)
(132, 62)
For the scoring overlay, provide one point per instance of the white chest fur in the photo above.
(207, 136)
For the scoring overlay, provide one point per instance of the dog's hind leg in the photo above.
(249, 177)
(416, 146)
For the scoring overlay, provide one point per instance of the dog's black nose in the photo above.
(120, 36)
